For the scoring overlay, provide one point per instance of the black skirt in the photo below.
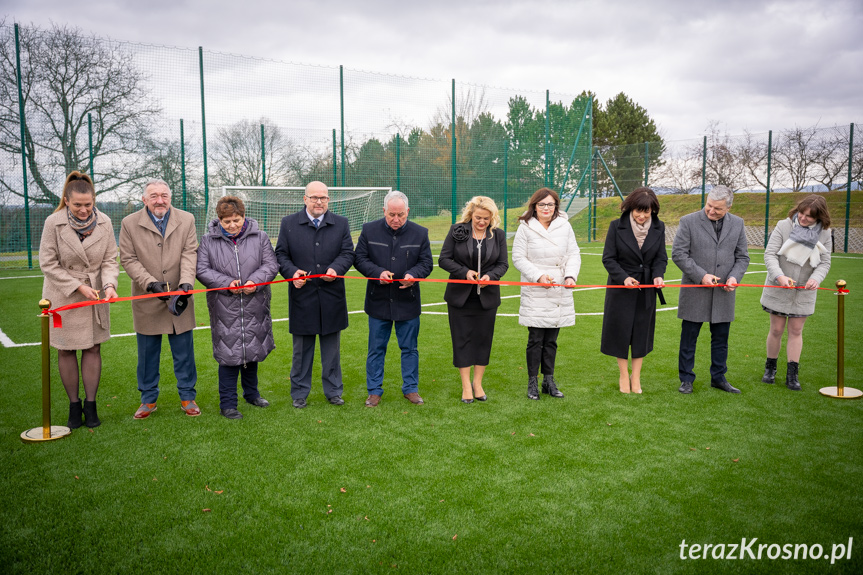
(472, 331)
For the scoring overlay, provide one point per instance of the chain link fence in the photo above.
(127, 112)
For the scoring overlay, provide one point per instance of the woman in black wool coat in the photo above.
(634, 255)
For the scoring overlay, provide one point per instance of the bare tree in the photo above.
(830, 158)
(722, 163)
(680, 175)
(67, 76)
(237, 155)
(752, 155)
(793, 156)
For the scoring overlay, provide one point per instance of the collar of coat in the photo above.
(534, 225)
(707, 225)
(654, 234)
(145, 221)
(70, 236)
(213, 228)
(326, 218)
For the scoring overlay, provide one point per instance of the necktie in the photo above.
(317, 222)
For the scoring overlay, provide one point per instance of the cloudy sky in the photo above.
(747, 64)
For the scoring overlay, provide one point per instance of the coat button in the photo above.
(159, 245)
(164, 271)
(317, 243)
(394, 259)
(319, 265)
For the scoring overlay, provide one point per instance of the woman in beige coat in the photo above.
(798, 253)
(78, 256)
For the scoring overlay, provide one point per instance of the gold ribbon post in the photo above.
(46, 432)
(839, 390)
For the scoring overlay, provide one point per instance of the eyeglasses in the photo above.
(318, 199)
(546, 206)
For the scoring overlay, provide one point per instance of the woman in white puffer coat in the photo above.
(545, 251)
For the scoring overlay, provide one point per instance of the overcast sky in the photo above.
(745, 63)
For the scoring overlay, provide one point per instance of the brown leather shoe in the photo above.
(191, 408)
(145, 410)
(373, 400)
(414, 398)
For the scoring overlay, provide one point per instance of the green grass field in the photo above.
(596, 482)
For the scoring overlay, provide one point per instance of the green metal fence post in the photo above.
(703, 171)
(547, 144)
(646, 161)
(453, 159)
(767, 197)
(204, 133)
(342, 112)
(264, 176)
(572, 156)
(183, 163)
(595, 206)
(23, 125)
(505, 178)
(90, 134)
(848, 188)
(398, 163)
(335, 162)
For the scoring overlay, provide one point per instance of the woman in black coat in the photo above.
(634, 255)
(475, 249)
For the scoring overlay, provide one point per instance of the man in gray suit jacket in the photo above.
(710, 248)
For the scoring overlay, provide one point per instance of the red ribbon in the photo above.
(58, 321)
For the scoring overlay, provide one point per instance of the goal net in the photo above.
(269, 204)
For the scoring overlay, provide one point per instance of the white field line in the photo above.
(6, 341)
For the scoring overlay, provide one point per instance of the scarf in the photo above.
(802, 244)
(640, 231)
(237, 235)
(83, 227)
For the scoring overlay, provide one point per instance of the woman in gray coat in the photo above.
(78, 256)
(236, 253)
(798, 253)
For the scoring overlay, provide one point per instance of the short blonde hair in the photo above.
(481, 203)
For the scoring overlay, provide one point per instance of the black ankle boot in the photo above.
(549, 386)
(769, 370)
(532, 387)
(91, 418)
(791, 376)
(74, 415)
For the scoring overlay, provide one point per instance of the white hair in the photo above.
(721, 194)
(156, 182)
(395, 195)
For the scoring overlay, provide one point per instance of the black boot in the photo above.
(90, 416)
(532, 387)
(549, 386)
(769, 370)
(791, 376)
(74, 415)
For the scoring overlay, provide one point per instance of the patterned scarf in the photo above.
(83, 227)
(802, 244)
(639, 230)
(237, 235)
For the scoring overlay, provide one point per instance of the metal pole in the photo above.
(183, 164)
(204, 132)
(335, 162)
(840, 391)
(264, 176)
(398, 163)
(703, 171)
(646, 161)
(547, 144)
(453, 159)
(342, 109)
(90, 133)
(572, 155)
(22, 123)
(505, 183)
(767, 197)
(848, 189)
(46, 432)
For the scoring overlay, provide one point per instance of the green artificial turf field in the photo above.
(596, 482)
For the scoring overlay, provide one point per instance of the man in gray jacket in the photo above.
(709, 248)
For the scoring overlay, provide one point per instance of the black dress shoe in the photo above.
(336, 400)
(685, 387)
(724, 386)
(232, 413)
(483, 398)
(467, 400)
(299, 403)
(259, 402)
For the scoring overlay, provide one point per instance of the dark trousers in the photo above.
(228, 384)
(541, 350)
(331, 365)
(718, 350)
(149, 352)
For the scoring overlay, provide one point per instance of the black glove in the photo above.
(187, 287)
(158, 287)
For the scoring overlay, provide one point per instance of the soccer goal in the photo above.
(269, 204)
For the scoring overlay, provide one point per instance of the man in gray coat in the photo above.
(710, 248)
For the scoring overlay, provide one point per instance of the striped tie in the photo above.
(317, 222)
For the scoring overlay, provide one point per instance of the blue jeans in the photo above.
(149, 352)
(379, 337)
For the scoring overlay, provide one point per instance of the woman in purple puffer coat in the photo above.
(236, 253)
